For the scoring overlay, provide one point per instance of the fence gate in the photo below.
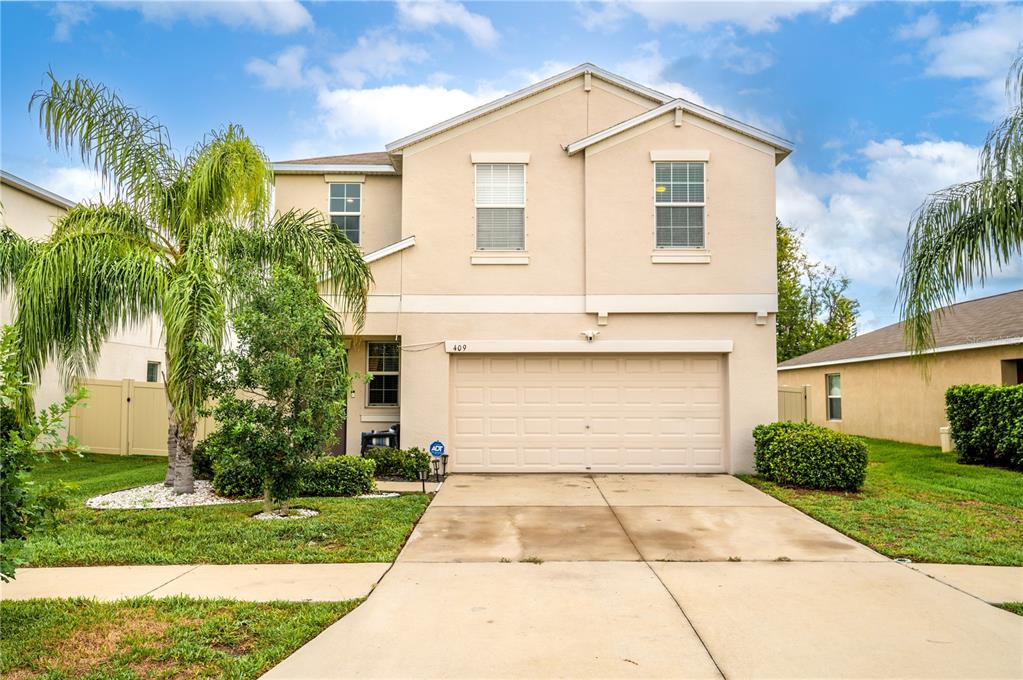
(793, 403)
(124, 417)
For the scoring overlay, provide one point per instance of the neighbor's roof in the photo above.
(36, 190)
(535, 88)
(986, 322)
(370, 162)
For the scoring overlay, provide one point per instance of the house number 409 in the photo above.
(461, 347)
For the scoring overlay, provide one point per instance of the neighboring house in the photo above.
(870, 385)
(579, 276)
(136, 353)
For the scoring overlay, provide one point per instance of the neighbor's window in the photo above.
(679, 199)
(346, 208)
(500, 206)
(383, 365)
(152, 371)
(833, 384)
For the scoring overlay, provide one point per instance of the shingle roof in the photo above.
(986, 320)
(366, 158)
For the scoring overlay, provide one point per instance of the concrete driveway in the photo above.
(650, 576)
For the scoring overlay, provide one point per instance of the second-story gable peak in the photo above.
(653, 96)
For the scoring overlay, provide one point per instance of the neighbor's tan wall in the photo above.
(125, 354)
(425, 380)
(892, 398)
(439, 202)
(381, 204)
(621, 213)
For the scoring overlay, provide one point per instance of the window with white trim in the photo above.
(346, 208)
(833, 386)
(152, 371)
(500, 206)
(679, 201)
(383, 364)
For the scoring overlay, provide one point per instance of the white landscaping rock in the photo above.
(158, 496)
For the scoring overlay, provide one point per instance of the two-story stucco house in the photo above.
(579, 276)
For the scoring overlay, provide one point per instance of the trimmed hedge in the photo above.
(987, 424)
(338, 476)
(406, 463)
(809, 456)
(323, 476)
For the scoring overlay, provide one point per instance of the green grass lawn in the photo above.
(921, 504)
(1014, 607)
(346, 530)
(166, 638)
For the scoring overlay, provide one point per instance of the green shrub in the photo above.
(338, 476)
(405, 463)
(763, 436)
(202, 460)
(235, 476)
(810, 456)
(987, 424)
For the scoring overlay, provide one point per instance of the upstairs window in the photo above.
(383, 365)
(679, 199)
(346, 209)
(500, 206)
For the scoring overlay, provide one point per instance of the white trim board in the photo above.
(313, 169)
(380, 253)
(898, 355)
(584, 347)
(573, 304)
(499, 157)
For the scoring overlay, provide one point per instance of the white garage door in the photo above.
(621, 413)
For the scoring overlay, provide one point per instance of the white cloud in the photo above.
(648, 68)
(372, 117)
(66, 16)
(979, 50)
(75, 183)
(755, 17)
(605, 16)
(419, 15)
(858, 221)
(924, 26)
(270, 16)
(286, 72)
(376, 55)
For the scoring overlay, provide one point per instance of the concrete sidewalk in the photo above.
(252, 582)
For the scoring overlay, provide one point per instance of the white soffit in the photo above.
(313, 169)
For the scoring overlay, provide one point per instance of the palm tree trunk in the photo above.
(184, 482)
(172, 448)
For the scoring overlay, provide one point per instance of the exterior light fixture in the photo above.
(436, 469)
(423, 476)
(444, 465)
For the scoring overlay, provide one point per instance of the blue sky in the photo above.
(885, 102)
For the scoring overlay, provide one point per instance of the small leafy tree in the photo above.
(813, 309)
(282, 392)
(26, 507)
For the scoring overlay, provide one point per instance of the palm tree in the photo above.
(963, 234)
(170, 243)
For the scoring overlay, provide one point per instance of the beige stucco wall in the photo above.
(589, 230)
(895, 398)
(621, 214)
(125, 354)
(381, 203)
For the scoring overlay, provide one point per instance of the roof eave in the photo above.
(782, 146)
(37, 191)
(897, 355)
(319, 169)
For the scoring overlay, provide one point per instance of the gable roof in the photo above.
(507, 100)
(35, 190)
(782, 147)
(370, 162)
(986, 322)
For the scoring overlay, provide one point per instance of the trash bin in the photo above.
(945, 436)
(372, 440)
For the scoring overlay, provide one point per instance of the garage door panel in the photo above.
(609, 412)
